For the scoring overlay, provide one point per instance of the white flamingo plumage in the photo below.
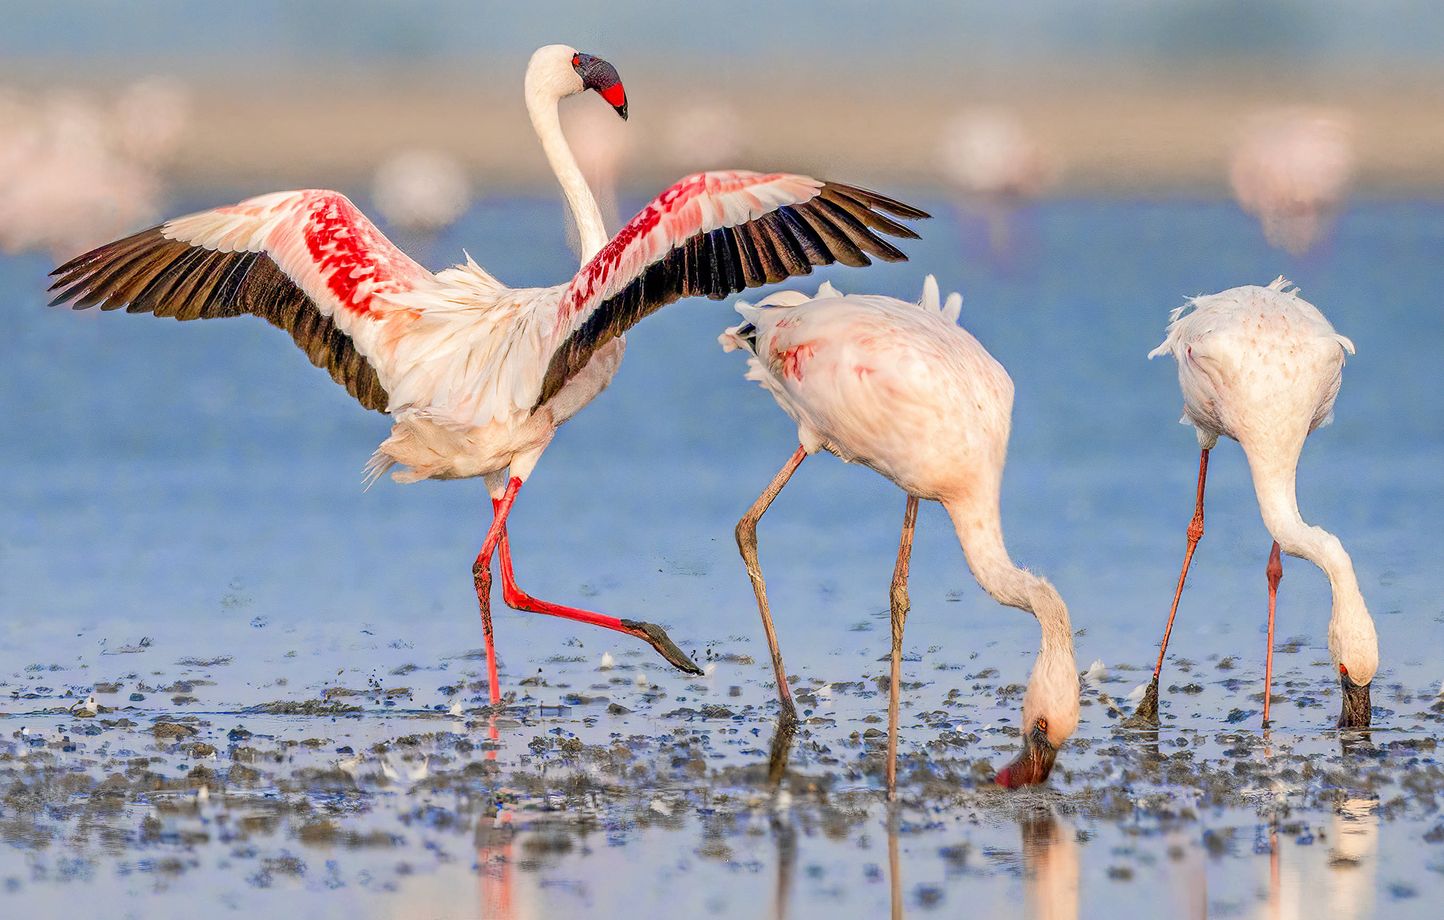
(1262, 366)
(602, 146)
(477, 375)
(903, 389)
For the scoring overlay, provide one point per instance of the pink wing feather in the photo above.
(306, 261)
(714, 234)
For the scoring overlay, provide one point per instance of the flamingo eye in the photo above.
(576, 60)
(1343, 670)
(1041, 725)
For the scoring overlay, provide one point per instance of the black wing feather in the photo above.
(148, 273)
(840, 224)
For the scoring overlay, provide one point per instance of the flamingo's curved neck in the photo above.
(542, 97)
(1274, 474)
(980, 532)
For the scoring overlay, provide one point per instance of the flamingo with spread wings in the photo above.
(476, 375)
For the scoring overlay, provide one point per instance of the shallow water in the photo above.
(185, 534)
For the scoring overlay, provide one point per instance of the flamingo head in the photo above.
(601, 77)
(1354, 646)
(1356, 710)
(1050, 704)
(1033, 765)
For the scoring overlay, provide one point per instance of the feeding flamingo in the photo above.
(478, 376)
(1263, 366)
(903, 389)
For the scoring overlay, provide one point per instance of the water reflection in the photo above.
(1189, 887)
(784, 834)
(495, 839)
(784, 831)
(1352, 863)
(1050, 867)
(1307, 880)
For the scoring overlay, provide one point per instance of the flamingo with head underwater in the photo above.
(903, 389)
(476, 375)
(1263, 366)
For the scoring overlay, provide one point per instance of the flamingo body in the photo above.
(897, 387)
(1260, 365)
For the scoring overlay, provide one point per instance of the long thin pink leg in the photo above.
(1275, 572)
(1148, 706)
(650, 633)
(899, 608)
(747, 544)
(481, 575)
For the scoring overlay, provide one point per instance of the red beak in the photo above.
(616, 97)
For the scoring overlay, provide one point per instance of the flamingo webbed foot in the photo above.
(1146, 715)
(657, 637)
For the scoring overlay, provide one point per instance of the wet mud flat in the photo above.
(624, 786)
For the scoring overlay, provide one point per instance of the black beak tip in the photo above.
(622, 111)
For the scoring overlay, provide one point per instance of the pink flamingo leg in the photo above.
(517, 599)
(481, 575)
(1148, 707)
(1275, 572)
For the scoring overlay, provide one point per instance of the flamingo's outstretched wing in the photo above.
(307, 262)
(711, 235)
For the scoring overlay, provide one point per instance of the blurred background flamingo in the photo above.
(1291, 169)
(421, 190)
(78, 168)
(996, 165)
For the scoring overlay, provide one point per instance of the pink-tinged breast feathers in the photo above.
(354, 260)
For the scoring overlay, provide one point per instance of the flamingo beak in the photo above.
(1032, 766)
(602, 77)
(1356, 711)
(616, 97)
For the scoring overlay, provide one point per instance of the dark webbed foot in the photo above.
(1146, 715)
(657, 637)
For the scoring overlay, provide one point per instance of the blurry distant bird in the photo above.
(421, 190)
(1291, 170)
(478, 376)
(149, 119)
(1263, 366)
(989, 153)
(65, 182)
(903, 389)
(992, 159)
